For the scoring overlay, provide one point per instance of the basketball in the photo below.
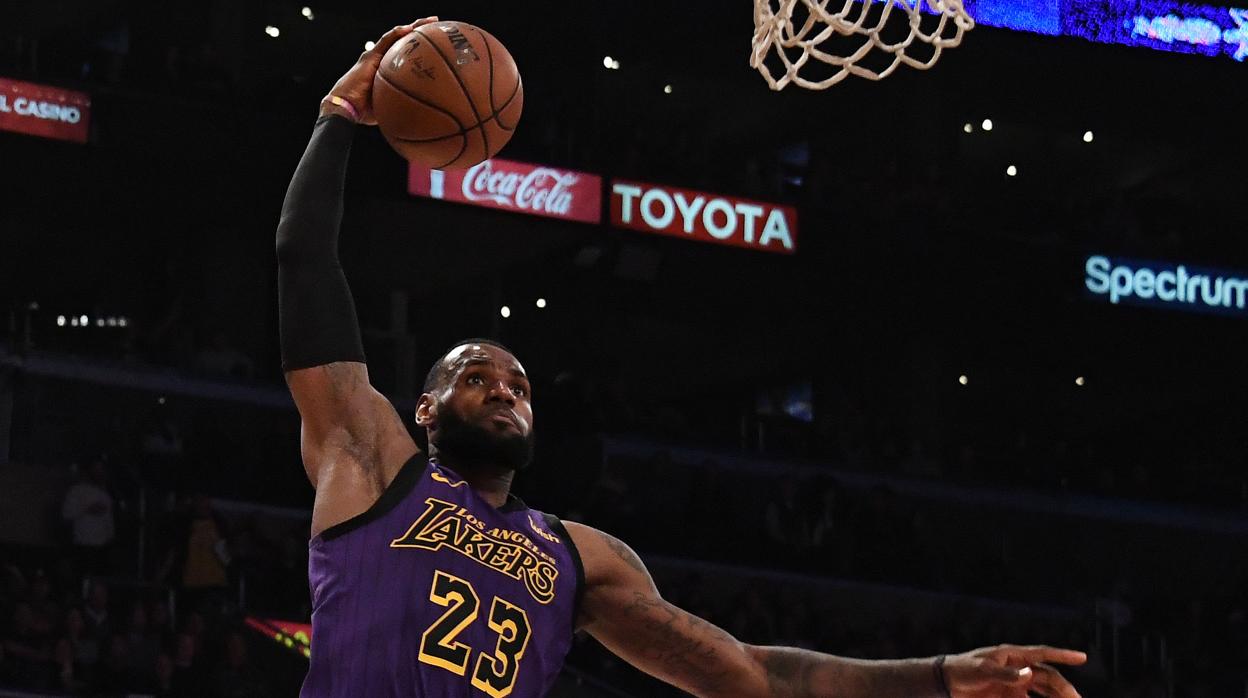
(447, 96)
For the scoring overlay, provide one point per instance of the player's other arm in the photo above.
(351, 434)
(623, 610)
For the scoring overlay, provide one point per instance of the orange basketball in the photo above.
(447, 96)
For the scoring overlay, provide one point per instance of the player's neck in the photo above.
(491, 482)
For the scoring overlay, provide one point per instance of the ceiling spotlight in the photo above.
(272, 31)
(505, 311)
(963, 380)
(368, 45)
(967, 127)
(307, 12)
(541, 302)
(608, 62)
(667, 89)
(1087, 136)
(1079, 381)
(987, 125)
(60, 320)
(99, 322)
(122, 322)
(1011, 170)
(82, 320)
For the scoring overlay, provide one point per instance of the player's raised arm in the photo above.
(623, 610)
(351, 433)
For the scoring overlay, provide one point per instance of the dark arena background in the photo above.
(958, 360)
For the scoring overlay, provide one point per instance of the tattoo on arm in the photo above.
(681, 643)
(789, 673)
(623, 552)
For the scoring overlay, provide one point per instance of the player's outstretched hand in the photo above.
(1010, 671)
(356, 86)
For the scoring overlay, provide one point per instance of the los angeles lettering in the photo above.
(445, 524)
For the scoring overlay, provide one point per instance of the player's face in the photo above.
(484, 411)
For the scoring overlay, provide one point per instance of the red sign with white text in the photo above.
(45, 111)
(694, 215)
(514, 186)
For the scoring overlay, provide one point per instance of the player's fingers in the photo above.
(1032, 654)
(387, 40)
(1050, 683)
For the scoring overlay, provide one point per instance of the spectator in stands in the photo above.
(831, 533)
(30, 649)
(88, 508)
(83, 647)
(788, 522)
(201, 553)
(96, 613)
(237, 677)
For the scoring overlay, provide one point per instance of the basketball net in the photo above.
(797, 39)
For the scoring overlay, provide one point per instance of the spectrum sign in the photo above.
(694, 215)
(1166, 285)
(39, 110)
(514, 186)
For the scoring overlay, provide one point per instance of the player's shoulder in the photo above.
(604, 556)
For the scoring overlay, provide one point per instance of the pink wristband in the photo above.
(340, 102)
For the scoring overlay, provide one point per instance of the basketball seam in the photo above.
(431, 105)
(467, 95)
(463, 133)
(497, 110)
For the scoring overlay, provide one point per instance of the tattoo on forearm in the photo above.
(789, 673)
(681, 643)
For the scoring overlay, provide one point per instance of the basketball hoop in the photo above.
(803, 29)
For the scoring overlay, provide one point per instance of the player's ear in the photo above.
(426, 410)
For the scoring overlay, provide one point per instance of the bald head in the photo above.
(446, 366)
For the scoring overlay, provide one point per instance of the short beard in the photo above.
(474, 445)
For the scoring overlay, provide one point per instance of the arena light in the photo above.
(986, 125)
(1087, 136)
(307, 13)
(99, 322)
(1011, 170)
(963, 380)
(60, 320)
(505, 311)
(1079, 381)
(272, 31)
(368, 45)
(967, 127)
(541, 302)
(608, 62)
(122, 322)
(111, 322)
(667, 89)
(82, 320)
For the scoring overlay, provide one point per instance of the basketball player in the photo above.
(428, 578)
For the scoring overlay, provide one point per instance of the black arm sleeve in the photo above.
(316, 313)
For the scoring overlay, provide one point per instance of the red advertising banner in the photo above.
(45, 111)
(514, 186)
(693, 215)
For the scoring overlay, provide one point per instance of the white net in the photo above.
(858, 39)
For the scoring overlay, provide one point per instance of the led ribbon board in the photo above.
(1164, 26)
(1166, 285)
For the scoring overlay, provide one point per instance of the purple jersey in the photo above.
(433, 592)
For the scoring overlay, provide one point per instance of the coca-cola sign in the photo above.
(514, 186)
(44, 111)
(695, 215)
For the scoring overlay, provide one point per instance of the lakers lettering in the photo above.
(445, 524)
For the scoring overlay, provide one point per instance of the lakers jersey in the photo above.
(433, 592)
